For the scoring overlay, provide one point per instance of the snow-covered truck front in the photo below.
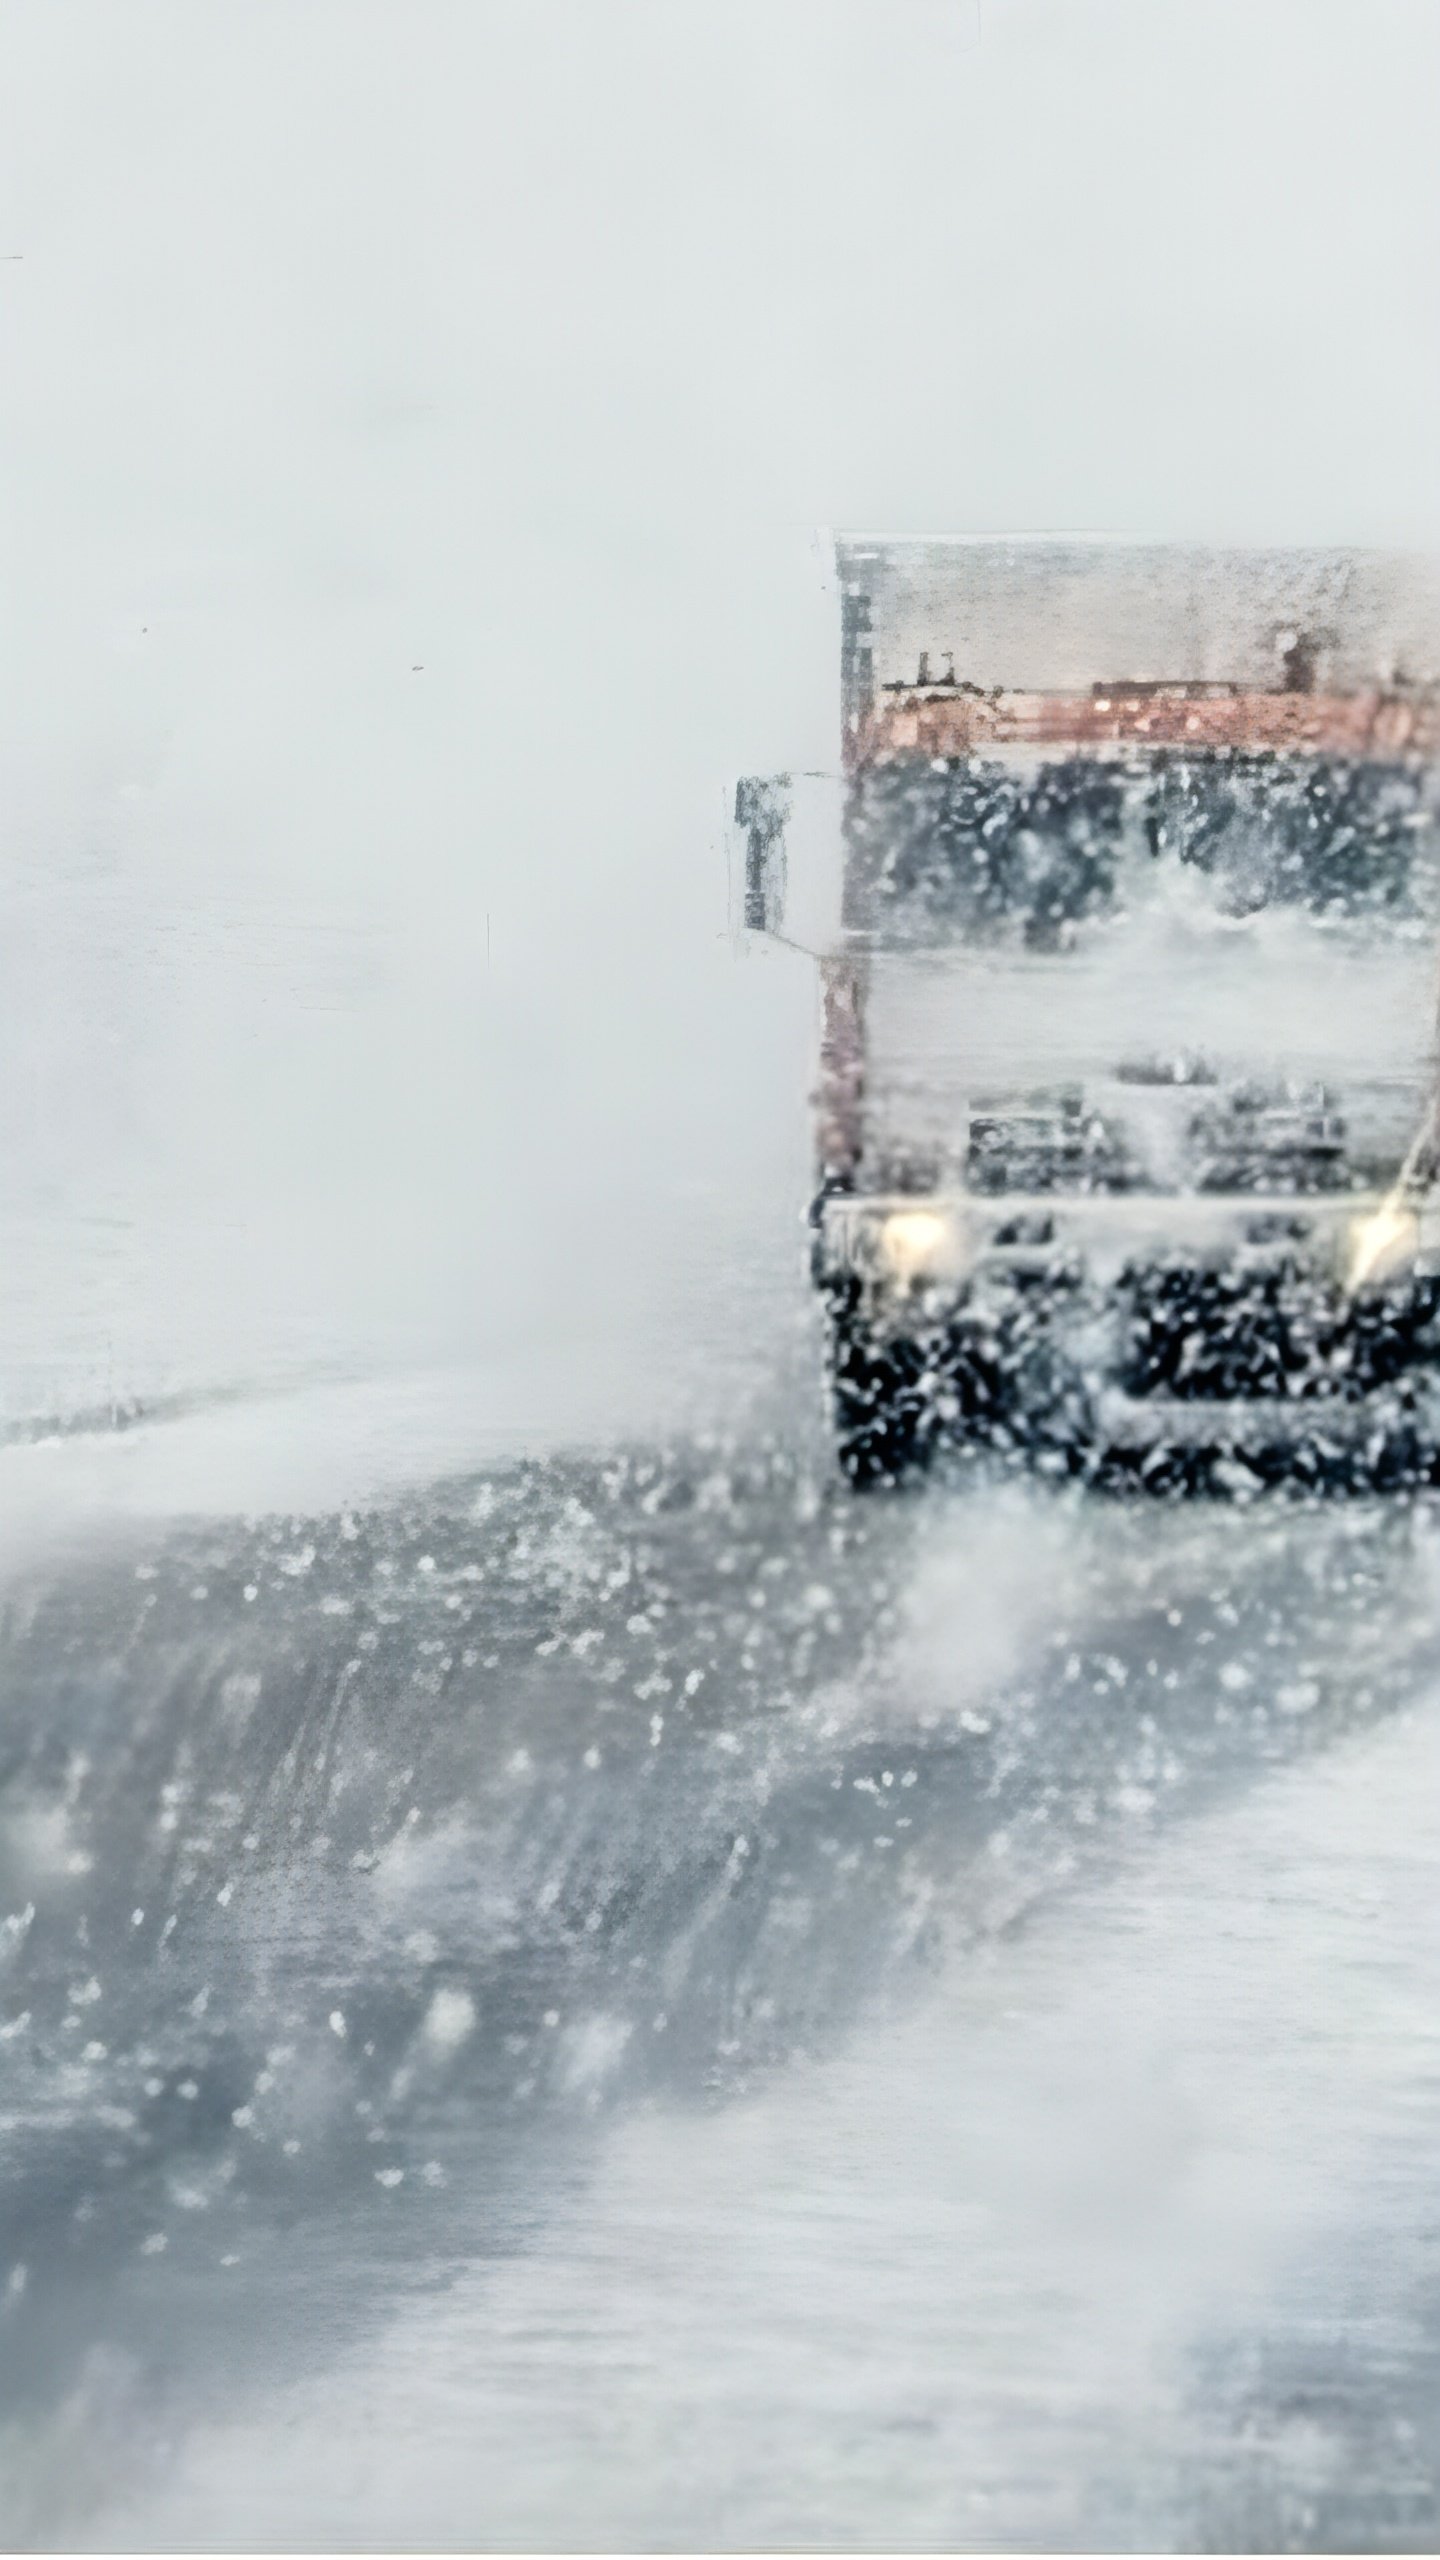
(1127, 1118)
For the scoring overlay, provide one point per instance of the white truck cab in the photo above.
(1126, 1121)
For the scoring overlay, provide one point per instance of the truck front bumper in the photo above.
(1161, 1342)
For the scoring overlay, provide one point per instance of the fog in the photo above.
(419, 427)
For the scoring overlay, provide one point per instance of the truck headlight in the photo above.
(1381, 1245)
(919, 1244)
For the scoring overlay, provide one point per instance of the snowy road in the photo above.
(638, 1999)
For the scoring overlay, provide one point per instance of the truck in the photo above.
(1128, 1111)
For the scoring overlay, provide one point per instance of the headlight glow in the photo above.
(917, 1243)
(1382, 1245)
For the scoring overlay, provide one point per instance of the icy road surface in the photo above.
(639, 2000)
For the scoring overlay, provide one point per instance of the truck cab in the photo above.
(1127, 1113)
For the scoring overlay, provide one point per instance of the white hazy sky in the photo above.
(416, 422)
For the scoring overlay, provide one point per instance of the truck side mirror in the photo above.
(762, 812)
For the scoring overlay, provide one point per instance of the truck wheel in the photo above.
(881, 1394)
(881, 1422)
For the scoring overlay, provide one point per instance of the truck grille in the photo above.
(1045, 1143)
(1214, 1335)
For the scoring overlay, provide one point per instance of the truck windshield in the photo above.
(968, 846)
